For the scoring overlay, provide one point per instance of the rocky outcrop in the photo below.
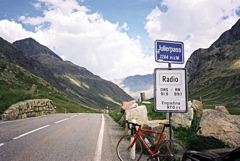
(194, 62)
(228, 36)
(217, 123)
(224, 127)
(29, 108)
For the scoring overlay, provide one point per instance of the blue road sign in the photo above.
(169, 52)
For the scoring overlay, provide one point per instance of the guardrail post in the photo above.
(133, 150)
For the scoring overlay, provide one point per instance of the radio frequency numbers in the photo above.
(175, 91)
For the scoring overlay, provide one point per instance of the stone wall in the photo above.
(29, 108)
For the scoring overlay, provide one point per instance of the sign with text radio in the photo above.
(170, 90)
(169, 52)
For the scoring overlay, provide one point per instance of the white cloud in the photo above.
(197, 23)
(86, 39)
(10, 30)
(104, 48)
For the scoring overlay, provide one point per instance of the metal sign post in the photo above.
(170, 117)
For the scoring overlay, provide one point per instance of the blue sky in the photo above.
(115, 38)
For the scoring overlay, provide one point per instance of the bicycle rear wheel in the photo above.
(125, 153)
(171, 150)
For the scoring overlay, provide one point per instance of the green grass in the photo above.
(116, 114)
(59, 100)
(221, 90)
(233, 110)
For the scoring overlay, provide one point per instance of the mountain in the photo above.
(10, 53)
(227, 38)
(214, 73)
(134, 85)
(76, 82)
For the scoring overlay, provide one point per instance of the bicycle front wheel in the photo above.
(126, 151)
(171, 150)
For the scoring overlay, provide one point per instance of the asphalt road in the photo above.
(60, 137)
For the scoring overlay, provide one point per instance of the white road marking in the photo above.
(73, 116)
(98, 152)
(1, 144)
(30, 132)
(61, 120)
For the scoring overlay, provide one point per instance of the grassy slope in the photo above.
(218, 79)
(15, 84)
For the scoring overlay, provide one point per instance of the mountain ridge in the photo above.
(76, 82)
(227, 37)
(12, 54)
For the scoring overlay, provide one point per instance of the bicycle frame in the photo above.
(155, 151)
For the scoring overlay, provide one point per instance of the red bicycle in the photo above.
(130, 147)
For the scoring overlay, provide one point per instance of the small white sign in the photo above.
(170, 90)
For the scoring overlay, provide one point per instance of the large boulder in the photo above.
(126, 105)
(209, 116)
(139, 114)
(183, 119)
(221, 126)
(227, 130)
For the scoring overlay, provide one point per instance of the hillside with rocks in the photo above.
(12, 54)
(214, 73)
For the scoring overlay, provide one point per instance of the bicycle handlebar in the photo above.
(133, 128)
(133, 125)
